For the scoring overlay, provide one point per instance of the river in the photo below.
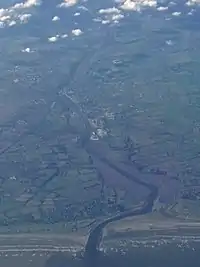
(94, 239)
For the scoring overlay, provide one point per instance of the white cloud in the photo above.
(4, 18)
(193, 2)
(130, 5)
(105, 22)
(112, 14)
(24, 18)
(77, 32)
(12, 23)
(68, 3)
(53, 39)
(2, 24)
(176, 14)
(191, 12)
(172, 4)
(109, 10)
(117, 17)
(162, 8)
(65, 35)
(136, 5)
(27, 4)
(55, 18)
(17, 12)
(97, 20)
(83, 8)
(27, 50)
(169, 42)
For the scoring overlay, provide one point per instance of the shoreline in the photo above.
(112, 231)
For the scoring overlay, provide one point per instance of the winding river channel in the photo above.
(94, 240)
(95, 236)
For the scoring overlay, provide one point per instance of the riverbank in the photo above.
(131, 226)
(134, 238)
(150, 224)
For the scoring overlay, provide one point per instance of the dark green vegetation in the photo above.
(84, 119)
(140, 97)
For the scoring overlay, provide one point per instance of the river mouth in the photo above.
(174, 248)
(142, 249)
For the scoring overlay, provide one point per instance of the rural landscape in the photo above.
(99, 122)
